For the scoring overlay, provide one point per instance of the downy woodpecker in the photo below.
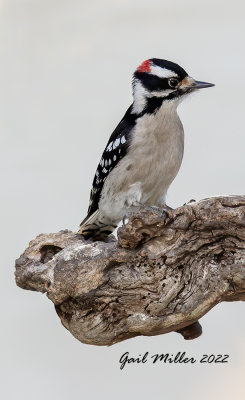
(144, 153)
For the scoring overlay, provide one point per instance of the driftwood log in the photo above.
(163, 274)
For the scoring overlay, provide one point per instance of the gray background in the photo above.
(65, 83)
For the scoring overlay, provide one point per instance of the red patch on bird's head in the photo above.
(145, 66)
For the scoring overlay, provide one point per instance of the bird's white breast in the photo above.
(152, 162)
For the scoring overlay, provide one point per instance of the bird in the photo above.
(144, 153)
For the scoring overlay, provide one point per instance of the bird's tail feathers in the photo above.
(95, 227)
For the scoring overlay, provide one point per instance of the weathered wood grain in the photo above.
(162, 275)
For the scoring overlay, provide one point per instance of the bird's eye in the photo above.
(173, 82)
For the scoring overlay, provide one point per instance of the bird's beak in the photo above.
(189, 84)
(201, 85)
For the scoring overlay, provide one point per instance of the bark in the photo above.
(163, 274)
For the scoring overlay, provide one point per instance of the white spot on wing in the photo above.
(109, 147)
(114, 157)
(116, 143)
(123, 139)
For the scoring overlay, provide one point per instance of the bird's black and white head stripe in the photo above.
(157, 78)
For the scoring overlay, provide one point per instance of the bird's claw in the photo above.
(125, 219)
(163, 212)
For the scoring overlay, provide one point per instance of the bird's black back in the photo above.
(115, 150)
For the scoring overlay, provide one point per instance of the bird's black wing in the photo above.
(115, 150)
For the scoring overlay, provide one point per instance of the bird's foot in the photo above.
(165, 212)
(131, 210)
